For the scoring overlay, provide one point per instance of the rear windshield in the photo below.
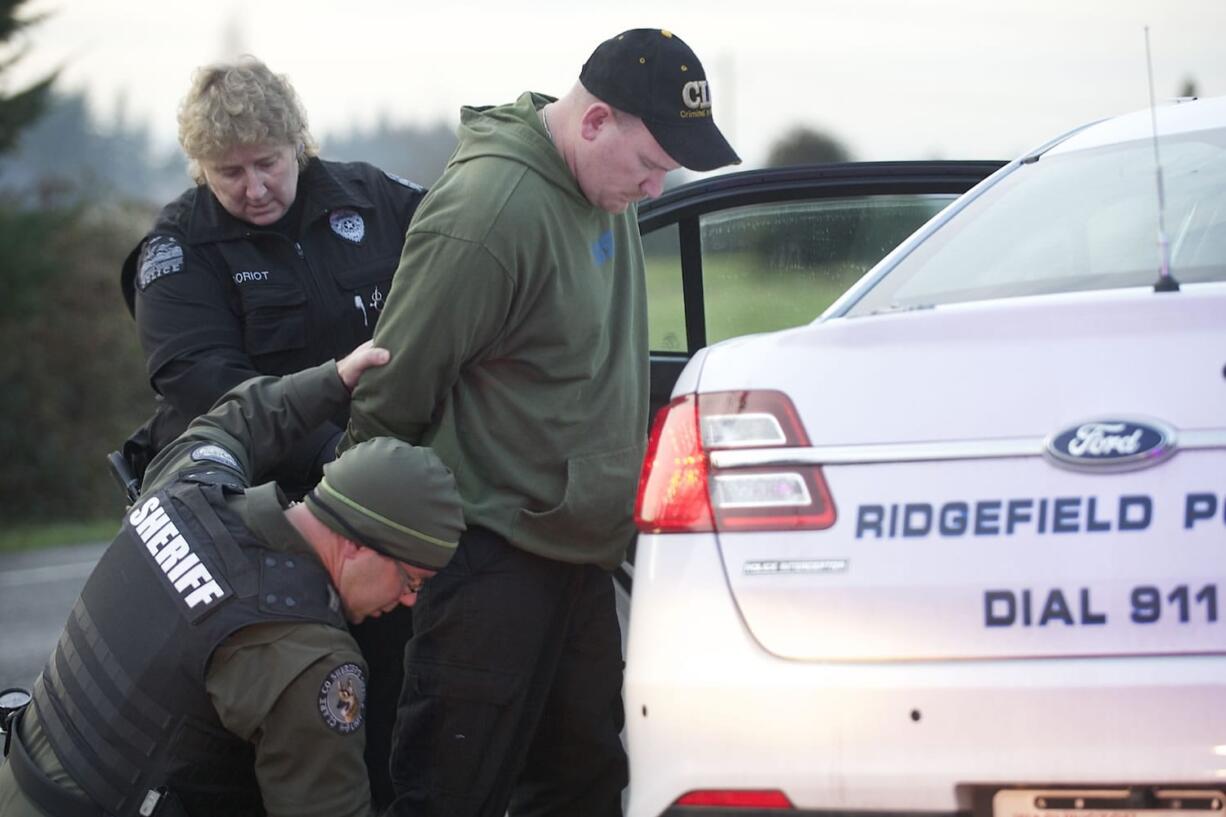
(1073, 221)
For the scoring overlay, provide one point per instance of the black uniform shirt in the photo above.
(218, 300)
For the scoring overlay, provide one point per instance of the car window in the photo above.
(1074, 221)
(773, 266)
(665, 296)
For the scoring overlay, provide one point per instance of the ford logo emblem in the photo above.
(1111, 445)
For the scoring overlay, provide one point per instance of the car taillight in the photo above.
(673, 484)
(730, 798)
(680, 490)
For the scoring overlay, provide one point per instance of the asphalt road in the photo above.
(37, 590)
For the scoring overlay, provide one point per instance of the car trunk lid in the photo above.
(957, 537)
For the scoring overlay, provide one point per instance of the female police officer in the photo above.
(276, 261)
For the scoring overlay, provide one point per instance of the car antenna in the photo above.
(1166, 282)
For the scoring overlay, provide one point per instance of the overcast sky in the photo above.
(894, 79)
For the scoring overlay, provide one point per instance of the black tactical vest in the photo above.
(123, 697)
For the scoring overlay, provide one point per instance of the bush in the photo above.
(73, 371)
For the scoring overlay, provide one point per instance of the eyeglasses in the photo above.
(411, 582)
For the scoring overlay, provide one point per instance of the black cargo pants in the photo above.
(512, 693)
(382, 642)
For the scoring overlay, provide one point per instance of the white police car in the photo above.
(959, 546)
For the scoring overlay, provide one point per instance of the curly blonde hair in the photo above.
(240, 103)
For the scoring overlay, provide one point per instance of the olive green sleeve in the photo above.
(297, 693)
(256, 423)
(448, 306)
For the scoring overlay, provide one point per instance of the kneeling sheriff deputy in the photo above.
(206, 668)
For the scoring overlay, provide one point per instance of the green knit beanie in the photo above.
(396, 498)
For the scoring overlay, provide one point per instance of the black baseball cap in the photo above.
(650, 73)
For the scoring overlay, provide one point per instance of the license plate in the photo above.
(1147, 802)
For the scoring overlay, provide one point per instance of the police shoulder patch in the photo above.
(342, 699)
(215, 453)
(401, 180)
(162, 255)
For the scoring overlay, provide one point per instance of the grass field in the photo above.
(742, 295)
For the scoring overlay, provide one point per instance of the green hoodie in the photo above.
(517, 324)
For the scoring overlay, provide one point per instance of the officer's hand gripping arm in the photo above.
(261, 419)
